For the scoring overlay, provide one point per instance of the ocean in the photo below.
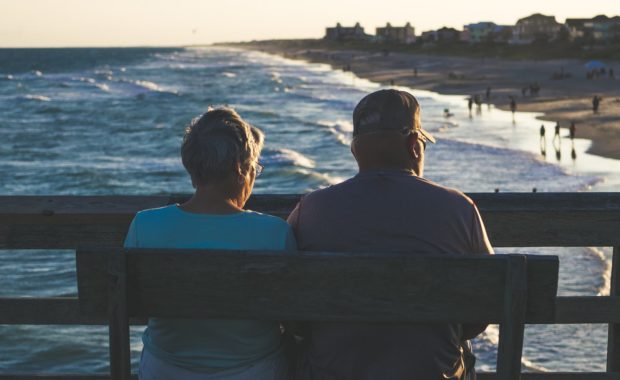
(110, 121)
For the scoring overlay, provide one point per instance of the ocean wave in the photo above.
(341, 129)
(40, 98)
(38, 73)
(605, 287)
(229, 74)
(8, 77)
(327, 179)
(284, 156)
(138, 86)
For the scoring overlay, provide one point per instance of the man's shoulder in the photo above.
(446, 193)
(413, 187)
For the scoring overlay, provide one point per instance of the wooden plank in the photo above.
(512, 326)
(613, 340)
(65, 311)
(512, 219)
(587, 310)
(481, 376)
(306, 286)
(556, 376)
(49, 311)
(120, 354)
(58, 377)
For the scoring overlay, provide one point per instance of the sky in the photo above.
(67, 23)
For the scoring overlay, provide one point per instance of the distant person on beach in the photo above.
(572, 130)
(388, 207)
(513, 105)
(556, 136)
(488, 94)
(478, 102)
(543, 140)
(596, 102)
(470, 103)
(220, 152)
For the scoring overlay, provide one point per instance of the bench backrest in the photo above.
(506, 289)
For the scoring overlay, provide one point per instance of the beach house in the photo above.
(399, 34)
(536, 27)
(576, 28)
(478, 32)
(341, 33)
(604, 29)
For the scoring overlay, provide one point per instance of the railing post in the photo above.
(512, 325)
(120, 355)
(613, 340)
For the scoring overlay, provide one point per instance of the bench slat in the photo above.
(512, 219)
(65, 311)
(305, 286)
(481, 376)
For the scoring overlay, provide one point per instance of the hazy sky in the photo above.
(25, 23)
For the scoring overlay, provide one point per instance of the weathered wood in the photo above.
(587, 309)
(120, 354)
(512, 219)
(49, 311)
(65, 311)
(58, 377)
(512, 326)
(481, 376)
(305, 286)
(613, 341)
(557, 376)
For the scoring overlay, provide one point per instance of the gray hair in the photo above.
(216, 142)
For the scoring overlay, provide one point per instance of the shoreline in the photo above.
(563, 101)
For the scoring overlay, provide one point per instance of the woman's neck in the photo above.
(211, 200)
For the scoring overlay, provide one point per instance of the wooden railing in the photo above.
(512, 220)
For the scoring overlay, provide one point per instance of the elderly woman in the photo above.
(220, 152)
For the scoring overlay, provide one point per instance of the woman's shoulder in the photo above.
(158, 210)
(265, 219)
(155, 213)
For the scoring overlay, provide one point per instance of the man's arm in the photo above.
(480, 244)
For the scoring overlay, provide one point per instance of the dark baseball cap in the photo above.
(388, 110)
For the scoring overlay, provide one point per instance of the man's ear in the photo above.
(412, 144)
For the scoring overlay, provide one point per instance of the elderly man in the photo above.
(388, 207)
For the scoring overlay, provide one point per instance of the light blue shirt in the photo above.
(204, 345)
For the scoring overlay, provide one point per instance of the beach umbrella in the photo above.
(595, 65)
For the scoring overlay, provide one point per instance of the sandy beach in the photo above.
(560, 100)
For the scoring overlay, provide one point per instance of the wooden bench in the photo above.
(308, 286)
(512, 220)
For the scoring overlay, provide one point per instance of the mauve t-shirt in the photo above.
(386, 211)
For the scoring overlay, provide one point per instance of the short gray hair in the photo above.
(216, 142)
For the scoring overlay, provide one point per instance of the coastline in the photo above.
(563, 101)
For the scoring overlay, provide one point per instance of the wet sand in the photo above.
(564, 100)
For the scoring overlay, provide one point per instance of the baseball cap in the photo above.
(388, 110)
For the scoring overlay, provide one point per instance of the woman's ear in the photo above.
(240, 175)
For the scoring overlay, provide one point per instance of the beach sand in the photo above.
(566, 100)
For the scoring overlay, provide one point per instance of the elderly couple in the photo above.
(387, 206)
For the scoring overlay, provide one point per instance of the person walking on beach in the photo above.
(572, 130)
(596, 101)
(556, 136)
(220, 152)
(488, 94)
(470, 104)
(388, 207)
(513, 107)
(543, 141)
